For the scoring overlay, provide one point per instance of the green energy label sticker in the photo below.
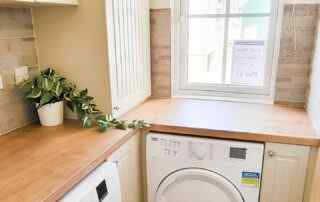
(250, 179)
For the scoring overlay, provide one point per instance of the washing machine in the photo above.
(101, 185)
(190, 169)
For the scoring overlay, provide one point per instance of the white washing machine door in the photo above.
(197, 185)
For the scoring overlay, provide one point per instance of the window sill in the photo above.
(220, 96)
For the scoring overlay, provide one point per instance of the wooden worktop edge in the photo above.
(78, 176)
(203, 132)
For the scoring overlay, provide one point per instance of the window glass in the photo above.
(226, 46)
(206, 37)
(249, 35)
(250, 6)
(207, 6)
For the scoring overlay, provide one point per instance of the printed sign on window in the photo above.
(248, 63)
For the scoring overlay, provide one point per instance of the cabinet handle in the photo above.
(271, 153)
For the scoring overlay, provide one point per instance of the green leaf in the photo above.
(49, 84)
(87, 122)
(75, 94)
(122, 125)
(102, 125)
(45, 99)
(101, 118)
(67, 98)
(26, 86)
(35, 93)
(48, 72)
(46, 84)
(42, 85)
(58, 89)
(84, 106)
(71, 106)
(83, 92)
(82, 114)
(138, 124)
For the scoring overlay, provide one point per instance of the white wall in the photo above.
(314, 99)
(158, 4)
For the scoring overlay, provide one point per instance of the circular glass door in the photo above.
(197, 185)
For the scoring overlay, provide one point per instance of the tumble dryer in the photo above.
(190, 169)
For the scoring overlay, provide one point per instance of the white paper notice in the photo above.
(248, 63)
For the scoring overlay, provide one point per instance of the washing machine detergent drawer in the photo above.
(101, 185)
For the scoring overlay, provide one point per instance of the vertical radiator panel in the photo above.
(129, 52)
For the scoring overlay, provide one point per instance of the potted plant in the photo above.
(46, 92)
(49, 91)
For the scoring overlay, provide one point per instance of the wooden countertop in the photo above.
(41, 163)
(240, 121)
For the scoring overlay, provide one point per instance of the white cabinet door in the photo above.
(128, 159)
(284, 173)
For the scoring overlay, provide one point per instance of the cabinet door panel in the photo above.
(284, 173)
(128, 159)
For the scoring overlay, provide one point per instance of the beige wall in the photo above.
(17, 48)
(73, 41)
(159, 4)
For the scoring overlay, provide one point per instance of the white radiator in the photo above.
(128, 24)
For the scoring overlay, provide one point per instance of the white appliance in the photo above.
(101, 185)
(189, 169)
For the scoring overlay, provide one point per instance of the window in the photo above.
(224, 47)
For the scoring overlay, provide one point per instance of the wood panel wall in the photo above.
(161, 52)
(295, 61)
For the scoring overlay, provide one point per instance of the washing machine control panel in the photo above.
(201, 149)
(171, 147)
(168, 147)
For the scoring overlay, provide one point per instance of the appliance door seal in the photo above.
(197, 184)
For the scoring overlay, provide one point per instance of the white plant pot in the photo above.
(51, 114)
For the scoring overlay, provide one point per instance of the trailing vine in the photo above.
(48, 87)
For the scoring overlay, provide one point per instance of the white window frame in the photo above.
(181, 88)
